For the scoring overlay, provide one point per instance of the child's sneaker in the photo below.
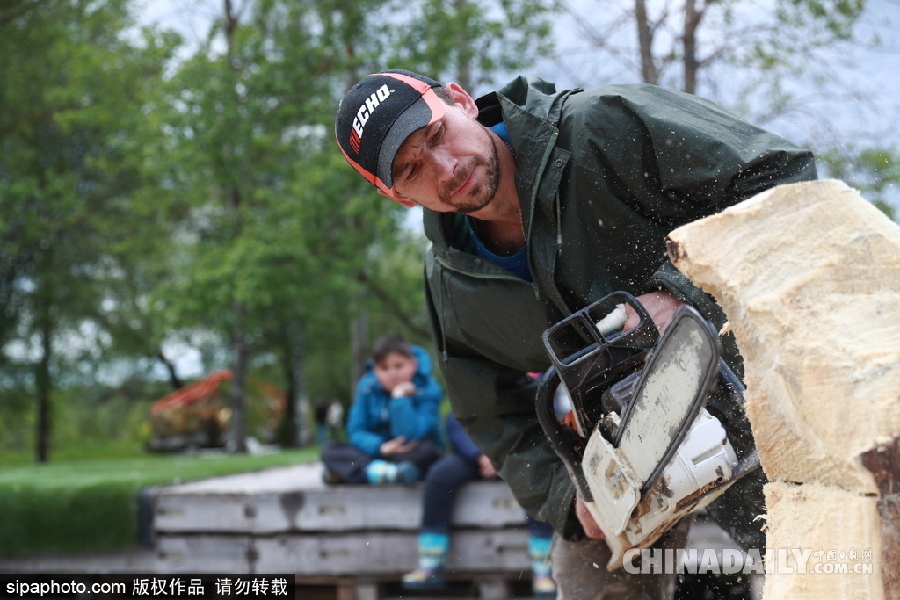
(543, 586)
(381, 471)
(424, 579)
(429, 575)
(408, 472)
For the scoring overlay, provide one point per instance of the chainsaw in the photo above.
(626, 412)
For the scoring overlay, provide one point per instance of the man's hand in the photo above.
(486, 468)
(591, 529)
(397, 445)
(660, 305)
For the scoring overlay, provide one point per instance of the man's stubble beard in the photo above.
(482, 192)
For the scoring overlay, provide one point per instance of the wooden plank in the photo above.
(206, 554)
(361, 553)
(506, 586)
(295, 499)
(367, 591)
(126, 561)
(195, 512)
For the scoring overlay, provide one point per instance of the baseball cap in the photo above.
(378, 114)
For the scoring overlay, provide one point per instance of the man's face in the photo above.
(450, 166)
(394, 369)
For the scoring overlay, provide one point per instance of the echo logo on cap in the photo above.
(365, 111)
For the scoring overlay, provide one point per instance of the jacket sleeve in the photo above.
(495, 405)
(417, 417)
(460, 442)
(359, 431)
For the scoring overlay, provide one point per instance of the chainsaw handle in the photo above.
(565, 442)
(598, 355)
(580, 328)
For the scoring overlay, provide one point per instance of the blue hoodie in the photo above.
(376, 418)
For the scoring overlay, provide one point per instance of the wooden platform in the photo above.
(287, 520)
(347, 542)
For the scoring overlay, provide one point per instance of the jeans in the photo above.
(579, 569)
(442, 482)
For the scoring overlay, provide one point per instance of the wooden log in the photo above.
(809, 276)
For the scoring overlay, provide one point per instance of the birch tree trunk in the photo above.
(809, 276)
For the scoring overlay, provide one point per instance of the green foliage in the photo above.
(71, 84)
(467, 40)
(148, 201)
(875, 172)
(92, 505)
(90, 421)
(785, 39)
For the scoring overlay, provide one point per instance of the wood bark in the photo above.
(809, 276)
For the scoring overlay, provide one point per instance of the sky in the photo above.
(858, 101)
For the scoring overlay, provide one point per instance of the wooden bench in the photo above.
(286, 520)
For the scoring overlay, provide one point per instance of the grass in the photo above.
(91, 505)
(86, 449)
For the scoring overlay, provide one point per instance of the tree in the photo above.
(784, 67)
(283, 246)
(872, 171)
(468, 42)
(719, 48)
(70, 70)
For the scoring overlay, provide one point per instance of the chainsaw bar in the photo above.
(673, 387)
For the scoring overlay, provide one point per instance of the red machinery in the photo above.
(196, 417)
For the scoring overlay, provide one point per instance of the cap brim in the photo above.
(422, 113)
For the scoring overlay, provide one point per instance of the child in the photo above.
(393, 429)
(446, 477)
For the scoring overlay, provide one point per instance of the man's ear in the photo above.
(399, 198)
(462, 98)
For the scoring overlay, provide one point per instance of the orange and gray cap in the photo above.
(378, 114)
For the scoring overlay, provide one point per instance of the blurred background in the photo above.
(174, 211)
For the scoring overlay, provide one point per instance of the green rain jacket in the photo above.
(603, 176)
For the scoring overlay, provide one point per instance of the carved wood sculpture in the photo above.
(809, 276)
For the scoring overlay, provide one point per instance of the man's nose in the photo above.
(443, 164)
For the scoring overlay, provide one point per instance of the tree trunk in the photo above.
(42, 380)
(174, 380)
(649, 72)
(301, 397)
(692, 19)
(359, 334)
(463, 46)
(808, 276)
(238, 390)
(238, 383)
(287, 432)
(297, 413)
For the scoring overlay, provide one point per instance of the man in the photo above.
(539, 202)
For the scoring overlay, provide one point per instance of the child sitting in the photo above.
(393, 429)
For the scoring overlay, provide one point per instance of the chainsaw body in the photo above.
(625, 410)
